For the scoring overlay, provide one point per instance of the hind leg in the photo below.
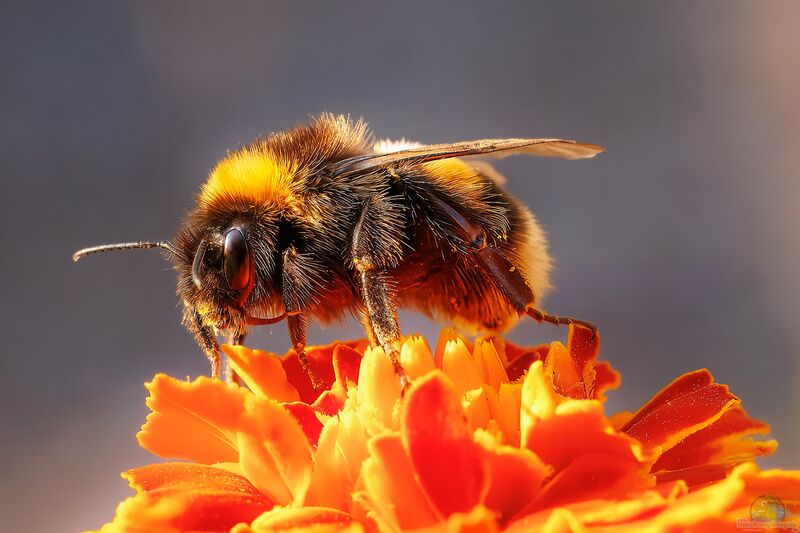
(373, 254)
(542, 316)
(518, 292)
(504, 273)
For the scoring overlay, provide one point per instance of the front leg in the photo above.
(297, 291)
(375, 249)
(205, 338)
(230, 373)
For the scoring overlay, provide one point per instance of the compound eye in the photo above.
(237, 260)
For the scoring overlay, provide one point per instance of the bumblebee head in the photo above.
(225, 264)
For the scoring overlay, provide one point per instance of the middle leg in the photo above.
(375, 249)
(298, 289)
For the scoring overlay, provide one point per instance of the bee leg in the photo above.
(381, 316)
(542, 316)
(296, 291)
(298, 326)
(205, 338)
(373, 340)
(513, 285)
(504, 273)
(230, 373)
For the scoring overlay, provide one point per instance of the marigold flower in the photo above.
(489, 436)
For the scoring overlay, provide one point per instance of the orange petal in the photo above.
(378, 386)
(341, 450)
(186, 497)
(477, 520)
(562, 367)
(449, 465)
(331, 482)
(784, 484)
(559, 429)
(416, 357)
(613, 513)
(476, 407)
(538, 400)
(688, 404)
(275, 453)
(318, 519)
(262, 372)
(395, 496)
(516, 476)
(458, 365)
(351, 441)
(504, 407)
(618, 420)
(572, 367)
(192, 420)
(577, 428)
(445, 335)
(693, 511)
(724, 441)
(489, 364)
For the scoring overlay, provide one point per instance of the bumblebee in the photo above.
(321, 220)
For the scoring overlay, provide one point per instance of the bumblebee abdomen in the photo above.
(442, 276)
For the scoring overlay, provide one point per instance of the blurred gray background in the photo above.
(681, 241)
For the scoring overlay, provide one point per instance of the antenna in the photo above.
(164, 245)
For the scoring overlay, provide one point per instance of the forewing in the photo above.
(564, 149)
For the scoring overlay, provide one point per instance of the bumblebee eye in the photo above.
(237, 260)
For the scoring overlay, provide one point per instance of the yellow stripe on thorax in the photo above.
(252, 175)
(452, 169)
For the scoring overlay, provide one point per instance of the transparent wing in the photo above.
(564, 149)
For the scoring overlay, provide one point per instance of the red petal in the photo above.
(521, 359)
(724, 441)
(298, 377)
(583, 345)
(592, 475)
(328, 403)
(346, 363)
(572, 367)
(306, 416)
(695, 476)
(449, 465)
(605, 379)
(321, 360)
(187, 497)
(688, 404)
